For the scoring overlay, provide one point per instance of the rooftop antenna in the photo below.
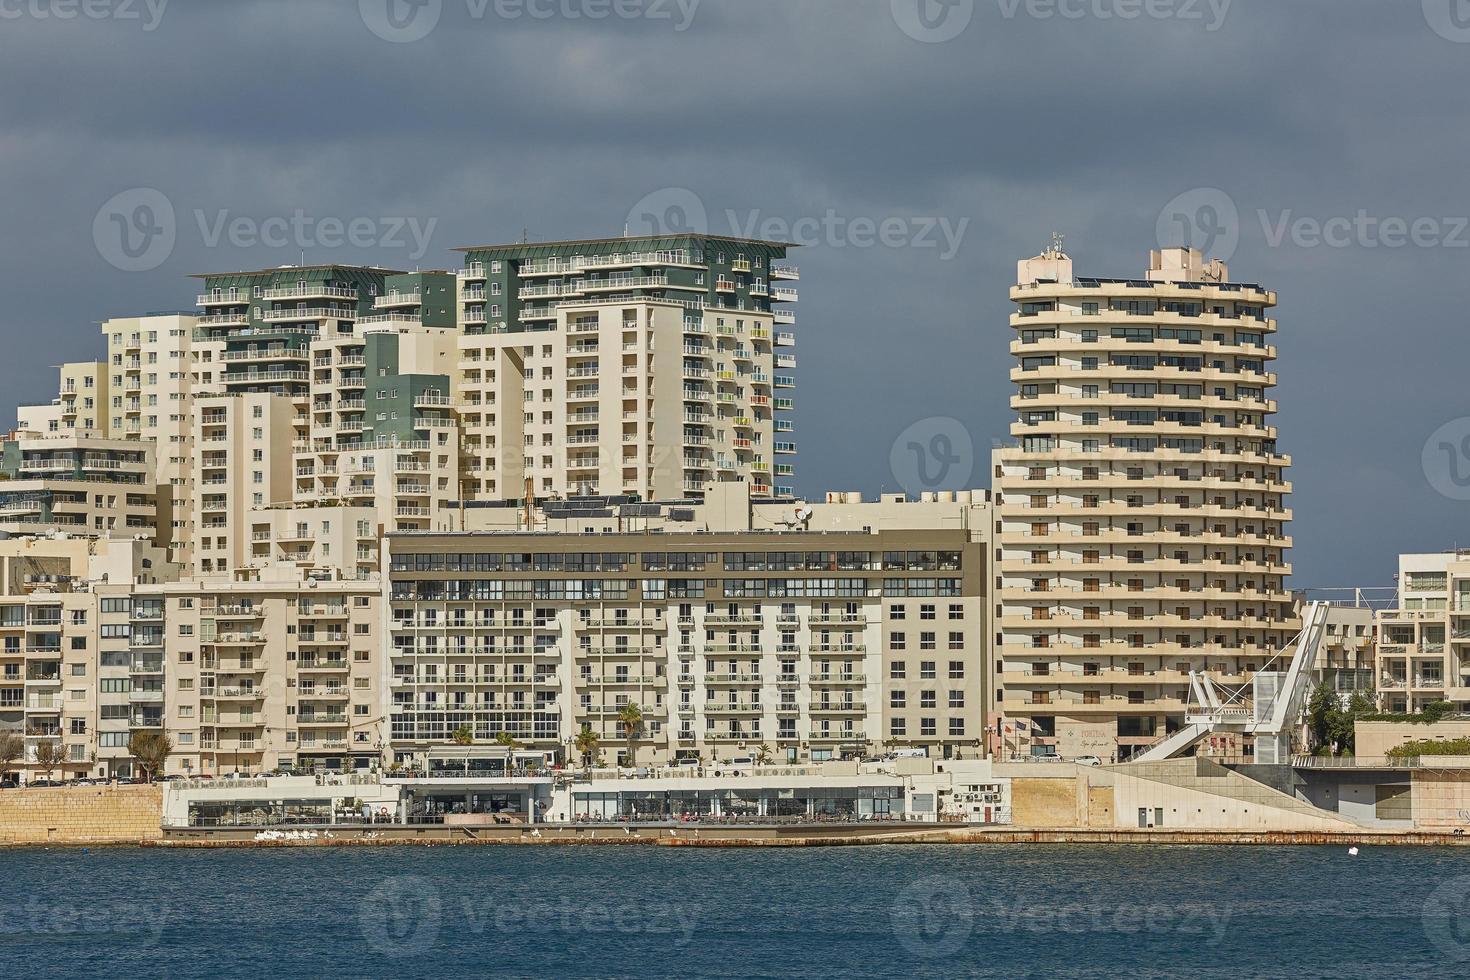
(303, 258)
(525, 236)
(1058, 246)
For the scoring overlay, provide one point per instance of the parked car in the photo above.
(9, 782)
(1087, 760)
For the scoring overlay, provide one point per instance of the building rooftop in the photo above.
(299, 268)
(521, 246)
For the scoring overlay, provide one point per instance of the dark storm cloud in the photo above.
(1082, 116)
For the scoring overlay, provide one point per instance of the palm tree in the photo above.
(586, 743)
(763, 755)
(463, 735)
(630, 716)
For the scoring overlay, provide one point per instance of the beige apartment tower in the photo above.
(1141, 518)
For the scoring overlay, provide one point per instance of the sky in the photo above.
(914, 148)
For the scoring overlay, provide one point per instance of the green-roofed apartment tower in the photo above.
(652, 366)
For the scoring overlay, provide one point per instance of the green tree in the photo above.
(49, 756)
(12, 747)
(463, 735)
(586, 743)
(1321, 706)
(630, 716)
(763, 754)
(150, 748)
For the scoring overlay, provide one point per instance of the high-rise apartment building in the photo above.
(649, 366)
(149, 398)
(1141, 517)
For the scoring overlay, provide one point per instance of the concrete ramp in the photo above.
(1199, 793)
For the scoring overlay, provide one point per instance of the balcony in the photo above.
(309, 291)
(308, 313)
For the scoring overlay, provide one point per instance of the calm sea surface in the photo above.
(996, 910)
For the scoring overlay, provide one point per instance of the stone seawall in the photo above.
(81, 815)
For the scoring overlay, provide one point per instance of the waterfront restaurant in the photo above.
(726, 804)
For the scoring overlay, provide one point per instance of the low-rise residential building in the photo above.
(79, 484)
(1423, 651)
(1344, 661)
(711, 630)
(66, 679)
(267, 674)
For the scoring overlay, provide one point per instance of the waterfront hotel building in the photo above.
(1141, 510)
